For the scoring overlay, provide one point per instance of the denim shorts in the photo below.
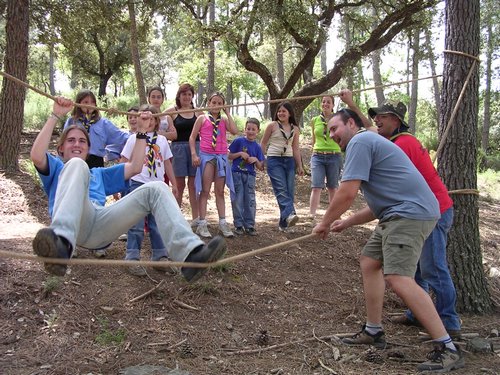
(397, 243)
(182, 162)
(325, 166)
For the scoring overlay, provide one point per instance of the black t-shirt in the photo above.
(184, 127)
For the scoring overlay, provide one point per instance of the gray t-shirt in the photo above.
(390, 182)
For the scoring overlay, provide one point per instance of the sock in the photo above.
(222, 220)
(373, 328)
(202, 221)
(446, 340)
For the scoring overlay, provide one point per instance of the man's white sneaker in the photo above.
(225, 230)
(202, 231)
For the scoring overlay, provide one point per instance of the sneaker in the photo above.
(101, 253)
(286, 230)
(251, 231)
(291, 220)
(405, 320)
(202, 231)
(225, 230)
(455, 334)
(194, 223)
(208, 253)
(166, 269)
(137, 270)
(442, 359)
(123, 237)
(365, 338)
(49, 245)
(239, 231)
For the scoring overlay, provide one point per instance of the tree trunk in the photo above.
(435, 82)
(412, 108)
(485, 132)
(134, 51)
(348, 42)
(324, 67)
(211, 54)
(458, 157)
(280, 63)
(377, 76)
(52, 71)
(12, 96)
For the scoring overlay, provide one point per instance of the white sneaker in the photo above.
(292, 220)
(123, 237)
(202, 231)
(100, 253)
(225, 230)
(195, 223)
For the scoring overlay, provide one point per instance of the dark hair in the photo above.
(153, 110)
(77, 111)
(185, 87)
(253, 120)
(65, 133)
(155, 88)
(134, 108)
(288, 106)
(346, 113)
(216, 93)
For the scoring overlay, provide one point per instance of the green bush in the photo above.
(36, 110)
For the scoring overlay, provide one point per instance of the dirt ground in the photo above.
(275, 313)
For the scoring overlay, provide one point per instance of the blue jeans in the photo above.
(243, 203)
(281, 171)
(135, 235)
(432, 272)
(325, 166)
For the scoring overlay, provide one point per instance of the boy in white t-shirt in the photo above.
(156, 165)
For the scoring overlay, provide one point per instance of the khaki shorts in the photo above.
(397, 243)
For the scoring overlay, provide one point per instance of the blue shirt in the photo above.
(102, 133)
(103, 181)
(252, 148)
(390, 183)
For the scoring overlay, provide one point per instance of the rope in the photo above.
(464, 191)
(459, 101)
(114, 111)
(462, 54)
(146, 263)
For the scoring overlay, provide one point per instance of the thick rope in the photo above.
(146, 263)
(117, 112)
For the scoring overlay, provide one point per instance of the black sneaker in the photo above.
(442, 359)
(239, 231)
(208, 253)
(365, 338)
(251, 231)
(49, 245)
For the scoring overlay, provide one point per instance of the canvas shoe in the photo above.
(251, 231)
(166, 269)
(225, 230)
(202, 231)
(208, 253)
(137, 270)
(49, 245)
(291, 220)
(365, 338)
(100, 253)
(239, 231)
(442, 359)
(194, 223)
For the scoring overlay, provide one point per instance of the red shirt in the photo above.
(422, 161)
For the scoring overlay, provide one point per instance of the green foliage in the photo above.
(51, 284)
(36, 110)
(488, 182)
(27, 166)
(108, 336)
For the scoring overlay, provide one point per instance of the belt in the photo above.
(326, 152)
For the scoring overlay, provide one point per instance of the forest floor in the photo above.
(276, 313)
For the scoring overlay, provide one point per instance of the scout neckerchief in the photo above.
(323, 120)
(215, 128)
(287, 139)
(88, 122)
(151, 154)
(361, 130)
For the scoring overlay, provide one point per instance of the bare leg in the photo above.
(181, 183)
(207, 179)
(331, 194)
(219, 196)
(419, 302)
(193, 200)
(374, 288)
(314, 200)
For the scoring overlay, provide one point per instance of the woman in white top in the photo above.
(281, 145)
